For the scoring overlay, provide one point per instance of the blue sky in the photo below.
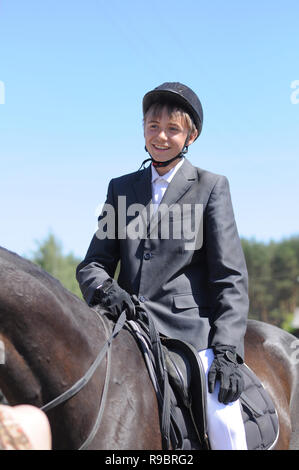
(72, 78)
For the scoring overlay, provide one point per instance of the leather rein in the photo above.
(88, 375)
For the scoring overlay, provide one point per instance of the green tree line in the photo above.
(273, 270)
(49, 256)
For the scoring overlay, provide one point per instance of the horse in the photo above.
(51, 338)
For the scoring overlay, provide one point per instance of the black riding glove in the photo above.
(111, 296)
(225, 369)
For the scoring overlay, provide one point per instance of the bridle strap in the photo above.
(103, 398)
(88, 375)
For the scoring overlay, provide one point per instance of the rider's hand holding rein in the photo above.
(115, 299)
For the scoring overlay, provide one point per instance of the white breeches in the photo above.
(224, 422)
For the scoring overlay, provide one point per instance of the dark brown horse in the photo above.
(51, 338)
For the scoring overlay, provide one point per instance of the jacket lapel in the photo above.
(143, 187)
(180, 184)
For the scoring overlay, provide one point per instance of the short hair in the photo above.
(173, 111)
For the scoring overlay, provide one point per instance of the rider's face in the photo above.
(165, 135)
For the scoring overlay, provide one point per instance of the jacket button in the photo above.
(147, 256)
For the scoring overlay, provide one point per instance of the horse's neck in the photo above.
(49, 340)
(17, 380)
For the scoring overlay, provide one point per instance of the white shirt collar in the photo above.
(169, 175)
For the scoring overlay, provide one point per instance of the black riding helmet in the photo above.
(178, 94)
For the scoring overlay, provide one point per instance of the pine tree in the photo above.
(50, 257)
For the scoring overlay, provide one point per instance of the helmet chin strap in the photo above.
(158, 164)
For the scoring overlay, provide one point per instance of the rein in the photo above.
(88, 375)
(167, 429)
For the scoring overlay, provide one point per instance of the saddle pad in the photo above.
(259, 415)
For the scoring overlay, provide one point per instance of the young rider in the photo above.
(195, 291)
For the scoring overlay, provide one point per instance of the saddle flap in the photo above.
(187, 376)
(179, 374)
(258, 411)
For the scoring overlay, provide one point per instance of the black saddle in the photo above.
(186, 377)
